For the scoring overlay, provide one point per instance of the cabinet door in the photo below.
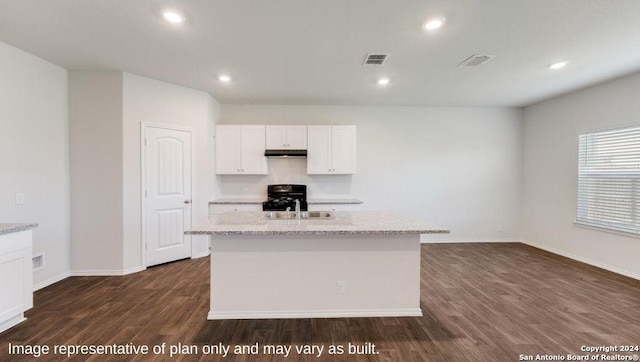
(228, 150)
(222, 208)
(16, 283)
(276, 137)
(343, 149)
(297, 137)
(319, 150)
(252, 147)
(335, 207)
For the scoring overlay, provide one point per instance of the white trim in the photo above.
(12, 322)
(143, 181)
(605, 229)
(608, 128)
(338, 313)
(106, 273)
(135, 269)
(583, 260)
(425, 240)
(200, 255)
(167, 126)
(50, 281)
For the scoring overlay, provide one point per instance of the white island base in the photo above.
(315, 276)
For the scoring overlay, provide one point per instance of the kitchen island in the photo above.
(355, 264)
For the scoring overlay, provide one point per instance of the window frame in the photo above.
(598, 170)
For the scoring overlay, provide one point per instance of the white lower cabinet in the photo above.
(16, 283)
(335, 207)
(222, 208)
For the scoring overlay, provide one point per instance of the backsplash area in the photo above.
(285, 171)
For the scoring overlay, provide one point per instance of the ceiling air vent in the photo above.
(475, 60)
(375, 58)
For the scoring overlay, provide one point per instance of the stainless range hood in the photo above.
(286, 153)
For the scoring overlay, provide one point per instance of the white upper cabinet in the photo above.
(240, 150)
(331, 150)
(286, 137)
(343, 147)
(319, 150)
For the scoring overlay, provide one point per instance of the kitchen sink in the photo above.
(290, 215)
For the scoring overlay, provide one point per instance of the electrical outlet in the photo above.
(19, 198)
(341, 287)
(500, 228)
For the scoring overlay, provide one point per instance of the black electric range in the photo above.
(281, 197)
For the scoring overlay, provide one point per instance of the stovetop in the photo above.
(281, 197)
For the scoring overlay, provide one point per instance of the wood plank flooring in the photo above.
(481, 302)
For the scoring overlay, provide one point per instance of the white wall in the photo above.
(550, 172)
(152, 101)
(457, 167)
(34, 155)
(106, 111)
(95, 134)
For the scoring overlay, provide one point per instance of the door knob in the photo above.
(187, 201)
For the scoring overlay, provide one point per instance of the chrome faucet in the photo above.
(288, 210)
(297, 209)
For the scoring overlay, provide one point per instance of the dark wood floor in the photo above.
(481, 302)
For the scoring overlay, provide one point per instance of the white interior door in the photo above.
(167, 199)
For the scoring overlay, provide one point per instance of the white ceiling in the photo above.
(311, 51)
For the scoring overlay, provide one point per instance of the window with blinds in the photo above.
(609, 180)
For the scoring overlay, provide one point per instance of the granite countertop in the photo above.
(333, 201)
(14, 228)
(345, 222)
(231, 200)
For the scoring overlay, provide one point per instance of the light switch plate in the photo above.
(19, 198)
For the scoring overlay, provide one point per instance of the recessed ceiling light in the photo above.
(558, 65)
(224, 78)
(173, 17)
(434, 23)
(383, 81)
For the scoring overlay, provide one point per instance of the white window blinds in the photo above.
(609, 180)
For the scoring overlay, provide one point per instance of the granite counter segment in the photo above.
(230, 200)
(334, 201)
(14, 228)
(345, 222)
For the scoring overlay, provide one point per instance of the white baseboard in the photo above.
(86, 273)
(106, 273)
(583, 260)
(200, 255)
(346, 313)
(424, 240)
(50, 281)
(135, 269)
(11, 322)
